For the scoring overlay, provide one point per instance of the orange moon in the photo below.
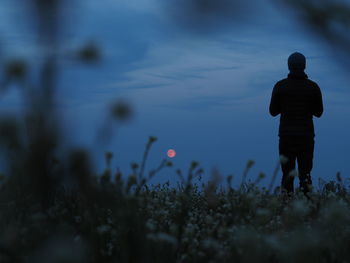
(171, 153)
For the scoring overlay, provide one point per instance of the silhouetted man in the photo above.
(297, 99)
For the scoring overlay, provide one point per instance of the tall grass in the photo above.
(116, 218)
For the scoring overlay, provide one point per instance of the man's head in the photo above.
(296, 61)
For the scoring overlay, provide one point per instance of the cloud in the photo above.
(154, 64)
(140, 6)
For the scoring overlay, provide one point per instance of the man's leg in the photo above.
(286, 148)
(305, 162)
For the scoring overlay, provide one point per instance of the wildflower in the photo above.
(152, 139)
(229, 179)
(250, 164)
(103, 229)
(261, 175)
(208, 219)
(194, 164)
(108, 158)
(132, 180)
(163, 237)
(262, 212)
(16, 69)
(121, 111)
(134, 166)
(300, 207)
(89, 53)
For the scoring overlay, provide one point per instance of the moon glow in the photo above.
(171, 153)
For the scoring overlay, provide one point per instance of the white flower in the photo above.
(103, 229)
(163, 237)
(300, 207)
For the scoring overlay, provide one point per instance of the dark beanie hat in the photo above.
(296, 61)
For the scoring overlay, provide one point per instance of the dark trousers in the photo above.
(300, 149)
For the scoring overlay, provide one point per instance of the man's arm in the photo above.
(275, 107)
(317, 108)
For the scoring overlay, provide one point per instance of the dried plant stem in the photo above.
(275, 173)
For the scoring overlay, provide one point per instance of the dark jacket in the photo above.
(297, 99)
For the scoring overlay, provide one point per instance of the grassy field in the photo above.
(110, 219)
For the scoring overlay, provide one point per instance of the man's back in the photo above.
(297, 99)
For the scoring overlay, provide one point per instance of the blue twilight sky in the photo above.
(201, 85)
